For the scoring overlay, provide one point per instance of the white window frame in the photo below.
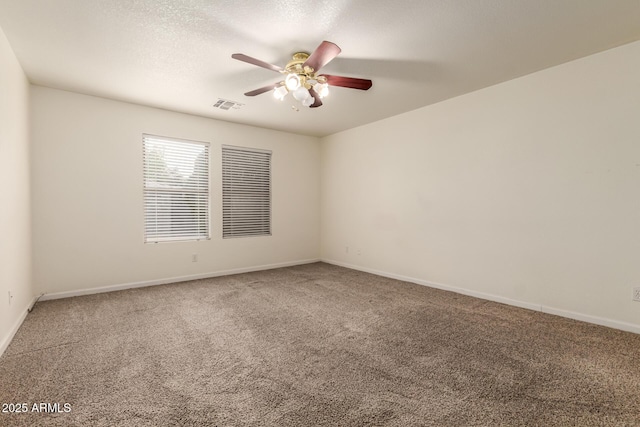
(246, 192)
(176, 197)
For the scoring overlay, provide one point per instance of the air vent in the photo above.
(225, 104)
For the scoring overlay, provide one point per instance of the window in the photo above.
(176, 189)
(246, 192)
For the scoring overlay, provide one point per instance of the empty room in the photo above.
(335, 213)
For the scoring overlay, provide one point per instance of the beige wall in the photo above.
(15, 220)
(87, 192)
(527, 192)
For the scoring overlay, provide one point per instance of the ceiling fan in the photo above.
(301, 78)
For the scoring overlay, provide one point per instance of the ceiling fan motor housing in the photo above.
(306, 74)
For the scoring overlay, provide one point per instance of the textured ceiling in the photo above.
(176, 54)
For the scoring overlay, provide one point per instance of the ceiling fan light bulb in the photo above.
(322, 89)
(292, 82)
(280, 92)
(307, 102)
(301, 94)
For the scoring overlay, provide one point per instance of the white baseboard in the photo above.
(119, 287)
(7, 340)
(615, 324)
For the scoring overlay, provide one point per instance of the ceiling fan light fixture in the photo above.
(292, 81)
(322, 89)
(301, 94)
(280, 92)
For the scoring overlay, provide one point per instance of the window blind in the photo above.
(176, 189)
(246, 192)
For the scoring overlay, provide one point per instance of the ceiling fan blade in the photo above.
(262, 90)
(244, 58)
(317, 102)
(322, 55)
(350, 82)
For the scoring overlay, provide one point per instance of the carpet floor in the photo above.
(312, 345)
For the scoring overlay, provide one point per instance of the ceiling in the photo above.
(176, 54)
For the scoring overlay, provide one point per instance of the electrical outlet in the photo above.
(10, 297)
(636, 293)
(194, 258)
